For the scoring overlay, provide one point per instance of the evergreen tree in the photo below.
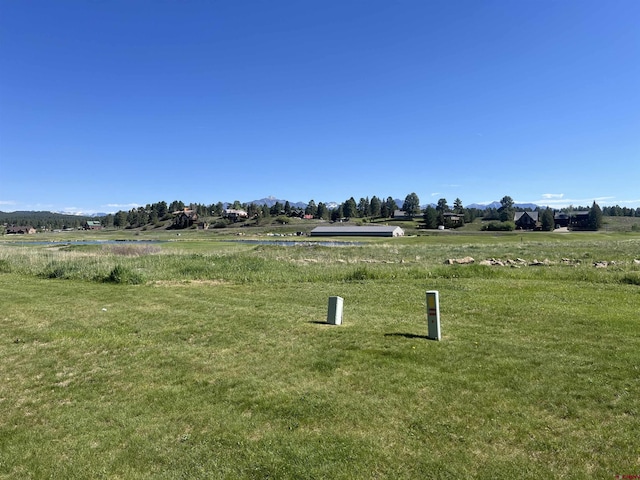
(506, 209)
(364, 209)
(442, 208)
(391, 206)
(375, 206)
(218, 209)
(338, 213)
(411, 205)
(176, 206)
(595, 217)
(120, 219)
(287, 208)
(322, 212)
(457, 206)
(547, 220)
(350, 209)
(430, 217)
(311, 208)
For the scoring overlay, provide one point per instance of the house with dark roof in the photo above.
(21, 230)
(184, 218)
(527, 220)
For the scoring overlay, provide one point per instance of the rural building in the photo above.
(234, 215)
(21, 230)
(92, 225)
(580, 219)
(561, 219)
(526, 220)
(452, 219)
(184, 218)
(401, 214)
(577, 219)
(369, 231)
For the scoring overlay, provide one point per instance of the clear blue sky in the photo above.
(106, 105)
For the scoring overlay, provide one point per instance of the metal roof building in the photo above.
(369, 231)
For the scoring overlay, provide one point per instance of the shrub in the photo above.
(362, 273)
(631, 279)
(59, 270)
(124, 275)
(499, 227)
(5, 266)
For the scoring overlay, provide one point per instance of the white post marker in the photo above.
(433, 314)
(334, 316)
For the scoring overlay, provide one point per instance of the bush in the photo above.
(631, 279)
(283, 220)
(124, 275)
(499, 227)
(5, 266)
(60, 270)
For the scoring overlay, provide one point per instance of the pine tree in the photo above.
(411, 205)
(547, 220)
(430, 217)
(595, 217)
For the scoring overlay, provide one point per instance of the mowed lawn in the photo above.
(229, 370)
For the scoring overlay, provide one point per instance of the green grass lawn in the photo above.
(213, 360)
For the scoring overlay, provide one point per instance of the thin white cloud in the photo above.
(434, 194)
(551, 196)
(7, 202)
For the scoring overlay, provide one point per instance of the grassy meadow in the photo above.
(204, 358)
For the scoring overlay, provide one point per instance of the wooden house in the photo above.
(527, 220)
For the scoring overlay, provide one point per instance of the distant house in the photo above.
(92, 225)
(580, 219)
(234, 214)
(402, 215)
(21, 230)
(576, 219)
(526, 220)
(369, 231)
(561, 219)
(453, 219)
(184, 218)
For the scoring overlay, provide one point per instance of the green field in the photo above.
(204, 358)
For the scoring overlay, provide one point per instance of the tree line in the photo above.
(366, 208)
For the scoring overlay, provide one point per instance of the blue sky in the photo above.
(108, 105)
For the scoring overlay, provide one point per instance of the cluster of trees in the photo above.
(618, 211)
(366, 208)
(44, 220)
